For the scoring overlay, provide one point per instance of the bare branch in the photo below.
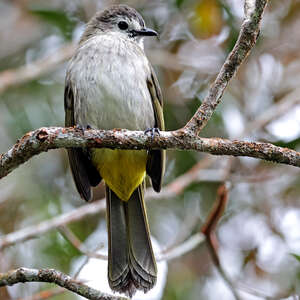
(275, 111)
(44, 139)
(43, 66)
(38, 229)
(208, 229)
(73, 239)
(94, 208)
(35, 70)
(187, 246)
(247, 38)
(178, 185)
(57, 277)
(217, 211)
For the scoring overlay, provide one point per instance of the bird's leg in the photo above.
(82, 129)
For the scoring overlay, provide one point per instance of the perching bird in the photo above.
(111, 84)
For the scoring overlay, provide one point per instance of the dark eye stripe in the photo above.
(123, 25)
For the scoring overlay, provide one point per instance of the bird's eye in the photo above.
(123, 25)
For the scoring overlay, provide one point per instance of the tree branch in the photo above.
(51, 138)
(249, 32)
(23, 74)
(53, 276)
(44, 139)
(45, 226)
(190, 244)
(209, 230)
(172, 189)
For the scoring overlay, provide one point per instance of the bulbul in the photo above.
(111, 84)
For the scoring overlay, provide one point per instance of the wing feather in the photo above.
(156, 158)
(84, 173)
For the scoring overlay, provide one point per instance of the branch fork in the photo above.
(187, 138)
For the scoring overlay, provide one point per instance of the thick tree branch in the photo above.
(52, 138)
(53, 276)
(247, 38)
(44, 139)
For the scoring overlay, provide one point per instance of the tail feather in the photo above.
(117, 243)
(140, 250)
(131, 264)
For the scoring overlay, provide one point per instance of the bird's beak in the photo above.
(146, 32)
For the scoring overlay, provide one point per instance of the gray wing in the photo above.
(156, 158)
(84, 173)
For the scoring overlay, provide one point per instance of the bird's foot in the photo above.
(153, 131)
(82, 128)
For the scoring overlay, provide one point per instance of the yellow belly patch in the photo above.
(122, 170)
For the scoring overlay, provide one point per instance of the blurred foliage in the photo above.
(207, 18)
(293, 144)
(58, 19)
(296, 256)
(261, 225)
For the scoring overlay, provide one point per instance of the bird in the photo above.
(110, 84)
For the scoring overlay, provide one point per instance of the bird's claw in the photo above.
(152, 131)
(82, 128)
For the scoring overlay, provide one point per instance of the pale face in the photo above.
(122, 21)
(128, 28)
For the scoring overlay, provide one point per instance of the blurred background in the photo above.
(259, 233)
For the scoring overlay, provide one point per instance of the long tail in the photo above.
(131, 262)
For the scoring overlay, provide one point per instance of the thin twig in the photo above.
(21, 75)
(78, 214)
(187, 246)
(38, 229)
(208, 230)
(250, 29)
(72, 238)
(40, 67)
(86, 260)
(181, 182)
(173, 253)
(90, 209)
(275, 111)
(57, 277)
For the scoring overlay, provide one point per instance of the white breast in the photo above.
(110, 75)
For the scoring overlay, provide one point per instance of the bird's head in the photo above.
(121, 20)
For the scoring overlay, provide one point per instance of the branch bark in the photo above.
(249, 32)
(44, 139)
(53, 276)
(186, 139)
